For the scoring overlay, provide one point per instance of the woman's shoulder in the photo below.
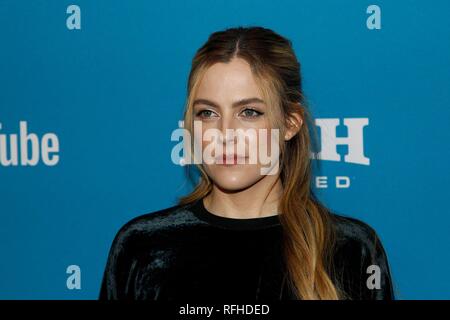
(354, 237)
(134, 240)
(350, 228)
(154, 222)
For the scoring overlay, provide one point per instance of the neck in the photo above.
(259, 200)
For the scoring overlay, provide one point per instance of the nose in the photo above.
(230, 124)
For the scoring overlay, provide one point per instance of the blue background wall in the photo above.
(113, 92)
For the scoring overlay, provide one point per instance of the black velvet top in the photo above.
(187, 253)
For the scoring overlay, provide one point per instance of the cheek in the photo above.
(199, 138)
(208, 144)
(264, 142)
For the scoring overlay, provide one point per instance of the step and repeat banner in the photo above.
(91, 92)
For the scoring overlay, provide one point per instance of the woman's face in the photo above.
(228, 98)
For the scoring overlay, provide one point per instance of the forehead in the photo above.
(228, 82)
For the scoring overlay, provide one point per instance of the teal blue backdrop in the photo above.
(102, 100)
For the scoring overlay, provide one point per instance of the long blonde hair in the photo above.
(307, 229)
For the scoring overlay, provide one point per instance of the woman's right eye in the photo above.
(205, 113)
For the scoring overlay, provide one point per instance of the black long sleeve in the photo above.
(187, 252)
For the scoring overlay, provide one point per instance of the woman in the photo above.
(248, 230)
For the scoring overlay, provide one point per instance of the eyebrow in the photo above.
(234, 105)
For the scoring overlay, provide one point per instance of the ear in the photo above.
(293, 123)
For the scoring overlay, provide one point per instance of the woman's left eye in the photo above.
(251, 113)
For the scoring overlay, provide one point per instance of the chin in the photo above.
(234, 180)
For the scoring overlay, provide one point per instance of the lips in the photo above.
(230, 159)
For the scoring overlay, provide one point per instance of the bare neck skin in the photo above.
(257, 201)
